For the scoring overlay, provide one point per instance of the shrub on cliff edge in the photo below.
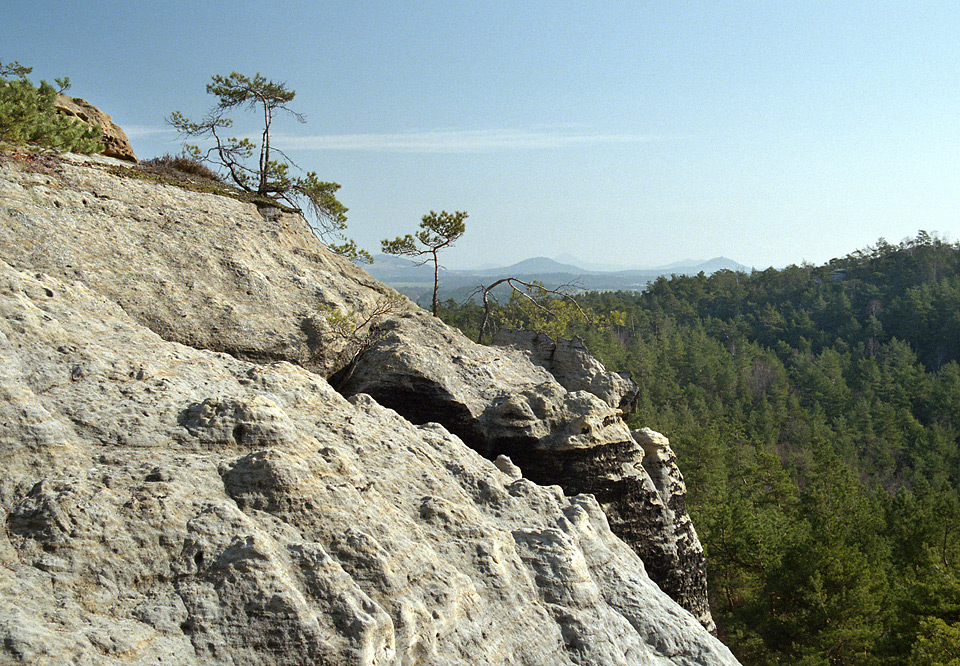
(181, 164)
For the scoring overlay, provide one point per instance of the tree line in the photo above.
(815, 413)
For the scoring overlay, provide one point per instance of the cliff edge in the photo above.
(182, 484)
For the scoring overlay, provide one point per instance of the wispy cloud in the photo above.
(458, 141)
(145, 131)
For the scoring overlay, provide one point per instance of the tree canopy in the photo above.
(815, 414)
(28, 115)
(437, 231)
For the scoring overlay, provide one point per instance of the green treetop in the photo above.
(28, 115)
(437, 231)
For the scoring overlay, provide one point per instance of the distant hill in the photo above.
(417, 281)
(691, 267)
(535, 266)
(382, 260)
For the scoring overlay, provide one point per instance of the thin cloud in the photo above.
(143, 131)
(457, 141)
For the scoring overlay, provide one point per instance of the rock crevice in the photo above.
(499, 402)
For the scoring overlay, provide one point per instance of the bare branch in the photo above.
(561, 292)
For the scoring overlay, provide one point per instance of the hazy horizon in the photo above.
(624, 134)
(571, 260)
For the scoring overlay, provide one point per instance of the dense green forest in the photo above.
(815, 412)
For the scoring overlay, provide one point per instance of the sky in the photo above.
(618, 133)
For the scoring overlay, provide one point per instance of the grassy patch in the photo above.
(178, 166)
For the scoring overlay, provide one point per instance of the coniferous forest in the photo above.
(815, 412)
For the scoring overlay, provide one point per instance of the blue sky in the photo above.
(630, 133)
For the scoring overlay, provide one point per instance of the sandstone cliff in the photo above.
(182, 484)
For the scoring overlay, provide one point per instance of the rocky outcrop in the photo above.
(647, 510)
(501, 404)
(207, 271)
(670, 548)
(115, 141)
(491, 397)
(573, 366)
(182, 485)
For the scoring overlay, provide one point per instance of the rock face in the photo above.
(115, 141)
(500, 403)
(573, 366)
(670, 548)
(183, 486)
(491, 397)
(203, 270)
(651, 515)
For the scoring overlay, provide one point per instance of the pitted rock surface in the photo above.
(174, 505)
(115, 141)
(501, 403)
(201, 269)
(494, 398)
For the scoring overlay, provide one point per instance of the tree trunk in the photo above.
(436, 281)
(264, 149)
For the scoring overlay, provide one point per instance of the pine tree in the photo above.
(268, 177)
(437, 231)
(28, 115)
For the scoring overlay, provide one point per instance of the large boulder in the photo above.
(493, 398)
(115, 141)
(172, 505)
(573, 366)
(670, 547)
(201, 269)
(652, 515)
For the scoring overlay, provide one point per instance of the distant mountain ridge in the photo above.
(416, 281)
(534, 266)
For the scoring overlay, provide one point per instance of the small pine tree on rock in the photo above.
(269, 176)
(437, 231)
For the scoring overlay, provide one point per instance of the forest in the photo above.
(815, 413)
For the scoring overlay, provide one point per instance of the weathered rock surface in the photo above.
(652, 515)
(170, 503)
(573, 366)
(491, 397)
(500, 403)
(671, 549)
(115, 141)
(200, 269)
